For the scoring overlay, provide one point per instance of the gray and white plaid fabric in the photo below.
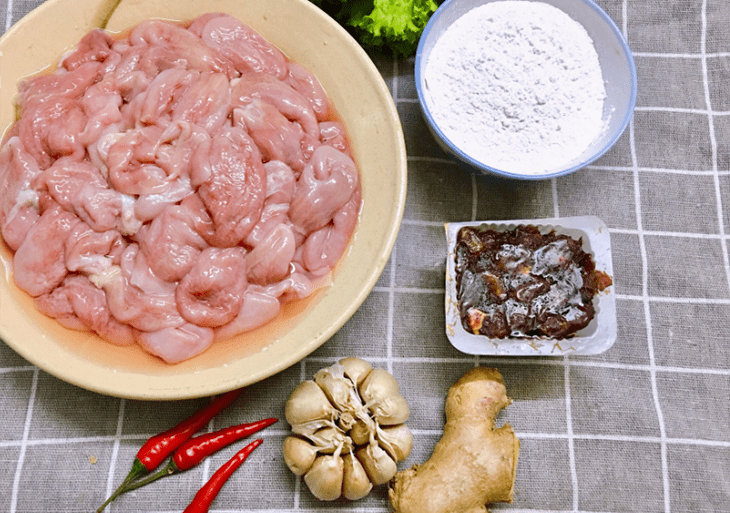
(641, 428)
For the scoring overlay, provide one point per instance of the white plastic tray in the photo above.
(597, 337)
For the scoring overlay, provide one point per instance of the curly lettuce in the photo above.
(394, 25)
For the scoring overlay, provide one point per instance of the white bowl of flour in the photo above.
(525, 89)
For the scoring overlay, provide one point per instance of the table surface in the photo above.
(642, 427)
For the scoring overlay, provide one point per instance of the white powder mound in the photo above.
(517, 85)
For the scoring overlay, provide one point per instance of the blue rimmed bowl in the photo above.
(617, 66)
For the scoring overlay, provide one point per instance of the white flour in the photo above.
(517, 85)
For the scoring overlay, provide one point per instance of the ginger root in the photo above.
(473, 464)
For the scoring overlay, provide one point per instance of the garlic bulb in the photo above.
(348, 430)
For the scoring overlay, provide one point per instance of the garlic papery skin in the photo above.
(308, 402)
(299, 455)
(378, 385)
(347, 421)
(381, 394)
(382, 397)
(307, 429)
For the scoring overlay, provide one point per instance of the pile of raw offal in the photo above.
(175, 186)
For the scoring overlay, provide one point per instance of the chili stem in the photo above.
(138, 469)
(167, 470)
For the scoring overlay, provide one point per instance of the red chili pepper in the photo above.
(205, 496)
(200, 447)
(159, 447)
(197, 449)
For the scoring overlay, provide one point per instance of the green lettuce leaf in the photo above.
(386, 24)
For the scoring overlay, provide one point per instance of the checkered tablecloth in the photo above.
(644, 427)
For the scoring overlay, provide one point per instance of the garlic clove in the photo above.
(362, 431)
(378, 385)
(356, 369)
(356, 483)
(381, 394)
(396, 440)
(330, 439)
(347, 421)
(391, 410)
(299, 455)
(325, 477)
(339, 390)
(309, 428)
(307, 403)
(378, 465)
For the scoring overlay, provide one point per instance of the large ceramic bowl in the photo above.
(363, 102)
(617, 66)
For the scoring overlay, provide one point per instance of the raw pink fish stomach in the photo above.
(101, 105)
(168, 45)
(231, 182)
(211, 293)
(280, 95)
(175, 345)
(78, 304)
(257, 309)
(160, 97)
(244, 47)
(40, 261)
(205, 102)
(280, 183)
(172, 234)
(270, 260)
(137, 297)
(175, 186)
(18, 202)
(305, 83)
(96, 46)
(327, 183)
(324, 247)
(90, 252)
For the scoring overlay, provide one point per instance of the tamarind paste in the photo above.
(524, 283)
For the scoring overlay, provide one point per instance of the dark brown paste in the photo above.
(523, 283)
